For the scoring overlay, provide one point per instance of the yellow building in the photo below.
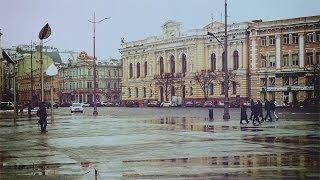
(182, 54)
(29, 80)
(281, 56)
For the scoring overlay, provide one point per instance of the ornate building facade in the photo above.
(180, 55)
(271, 59)
(76, 80)
(283, 58)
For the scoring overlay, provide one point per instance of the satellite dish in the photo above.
(45, 32)
(52, 70)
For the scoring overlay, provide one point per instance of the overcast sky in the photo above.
(21, 20)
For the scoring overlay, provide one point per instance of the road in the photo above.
(160, 143)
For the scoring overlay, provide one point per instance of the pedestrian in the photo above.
(21, 109)
(29, 110)
(267, 107)
(244, 114)
(251, 108)
(260, 110)
(256, 114)
(42, 114)
(273, 109)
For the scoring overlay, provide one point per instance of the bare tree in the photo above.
(205, 78)
(232, 78)
(167, 80)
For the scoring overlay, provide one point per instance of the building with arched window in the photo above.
(179, 55)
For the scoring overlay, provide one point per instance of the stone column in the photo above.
(177, 61)
(253, 54)
(278, 51)
(301, 50)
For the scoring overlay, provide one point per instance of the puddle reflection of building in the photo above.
(250, 164)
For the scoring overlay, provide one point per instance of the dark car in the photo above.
(65, 104)
(198, 104)
(132, 104)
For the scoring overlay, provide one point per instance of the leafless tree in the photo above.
(167, 80)
(205, 78)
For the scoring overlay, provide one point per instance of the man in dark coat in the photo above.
(267, 107)
(42, 114)
(244, 114)
(251, 108)
(260, 110)
(256, 114)
(29, 110)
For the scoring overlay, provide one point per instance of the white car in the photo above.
(168, 104)
(76, 107)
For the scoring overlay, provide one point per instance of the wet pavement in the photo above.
(160, 143)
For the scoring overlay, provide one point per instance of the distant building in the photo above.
(282, 56)
(76, 80)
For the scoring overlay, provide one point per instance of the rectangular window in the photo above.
(295, 80)
(272, 40)
(310, 37)
(309, 60)
(309, 81)
(272, 61)
(285, 81)
(263, 61)
(295, 60)
(211, 89)
(272, 81)
(286, 39)
(222, 88)
(295, 38)
(285, 60)
(129, 92)
(317, 58)
(191, 91)
(234, 88)
(263, 81)
(318, 36)
(263, 41)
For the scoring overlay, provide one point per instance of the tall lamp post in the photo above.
(226, 114)
(43, 34)
(94, 22)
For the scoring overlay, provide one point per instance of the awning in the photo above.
(290, 74)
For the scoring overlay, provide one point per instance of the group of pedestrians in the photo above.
(257, 112)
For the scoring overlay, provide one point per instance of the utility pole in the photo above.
(226, 114)
(31, 74)
(95, 111)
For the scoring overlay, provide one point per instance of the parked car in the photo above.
(76, 107)
(132, 104)
(189, 104)
(234, 104)
(153, 104)
(208, 104)
(220, 104)
(65, 104)
(247, 103)
(86, 104)
(6, 106)
(168, 104)
(198, 104)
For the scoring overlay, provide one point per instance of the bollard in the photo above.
(211, 114)
(95, 172)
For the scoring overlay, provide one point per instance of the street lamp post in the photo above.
(95, 111)
(226, 114)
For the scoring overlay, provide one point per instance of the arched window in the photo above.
(137, 92)
(223, 62)
(211, 89)
(115, 85)
(235, 60)
(138, 70)
(129, 92)
(213, 62)
(172, 65)
(183, 64)
(161, 66)
(144, 92)
(130, 71)
(108, 85)
(145, 69)
(173, 91)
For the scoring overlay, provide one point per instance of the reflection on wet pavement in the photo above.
(161, 147)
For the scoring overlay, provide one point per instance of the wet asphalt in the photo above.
(160, 143)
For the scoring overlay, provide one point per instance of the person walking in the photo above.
(256, 114)
(267, 107)
(42, 114)
(29, 110)
(260, 110)
(273, 109)
(251, 108)
(244, 114)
